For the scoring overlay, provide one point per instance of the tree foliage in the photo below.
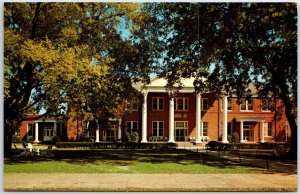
(227, 46)
(59, 56)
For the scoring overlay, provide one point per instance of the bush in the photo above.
(16, 139)
(132, 137)
(74, 144)
(55, 139)
(235, 138)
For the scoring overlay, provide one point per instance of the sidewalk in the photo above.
(149, 182)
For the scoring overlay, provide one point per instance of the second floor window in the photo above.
(132, 105)
(132, 126)
(157, 103)
(229, 104)
(205, 105)
(266, 105)
(247, 105)
(181, 103)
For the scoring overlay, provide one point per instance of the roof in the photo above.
(158, 84)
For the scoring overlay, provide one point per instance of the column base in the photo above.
(243, 141)
(225, 141)
(171, 141)
(144, 141)
(97, 141)
(198, 141)
(36, 141)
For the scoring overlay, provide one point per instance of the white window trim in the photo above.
(131, 125)
(247, 107)
(184, 100)
(221, 105)
(28, 137)
(267, 108)
(157, 108)
(203, 128)
(131, 105)
(267, 129)
(157, 130)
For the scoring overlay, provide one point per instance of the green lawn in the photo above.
(125, 161)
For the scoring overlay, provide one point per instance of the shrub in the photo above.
(16, 139)
(235, 138)
(55, 139)
(132, 137)
(74, 144)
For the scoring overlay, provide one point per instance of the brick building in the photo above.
(157, 116)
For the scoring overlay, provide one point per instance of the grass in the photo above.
(125, 161)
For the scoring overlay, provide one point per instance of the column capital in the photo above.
(145, 92)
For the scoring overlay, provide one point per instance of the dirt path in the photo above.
(149, 182)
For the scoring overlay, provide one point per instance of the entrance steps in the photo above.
(189, 145)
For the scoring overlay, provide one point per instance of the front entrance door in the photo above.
(48, 134)
(111, 134)
(248, 132)
(181, 130)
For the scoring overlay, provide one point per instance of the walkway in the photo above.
(149, 182)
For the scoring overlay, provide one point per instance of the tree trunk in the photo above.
(292, 122)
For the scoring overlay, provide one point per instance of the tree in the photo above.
(62, 55)
(231, 45)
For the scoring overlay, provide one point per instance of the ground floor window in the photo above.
(157, 128)
(111, 133)
(269, 129)
(48, 134)
(205, 128)
(248, 131)
(132, 126)
(29, 131)
(181, 130)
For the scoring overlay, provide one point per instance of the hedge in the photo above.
(117, 145)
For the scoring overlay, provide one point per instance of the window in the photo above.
(132, 126)
(132, 105)
(157, 128)
(205, 128)
(204, 103)
(247, 105)
(265, 105)
(229, 128)
(181, 103)
(29, 131)
(157, 103)
(181, 130)
(269, 129)
(229, 104)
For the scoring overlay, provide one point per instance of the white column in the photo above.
(55, 129)
(97, 134)
(198, 118)
(119, 130)
(36, 133)
(224, 132)
(144, 118)
(263, 127)
(242, 132)
(171, 120)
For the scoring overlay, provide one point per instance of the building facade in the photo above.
(159, 115)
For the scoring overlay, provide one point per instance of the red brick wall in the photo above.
(213, 116)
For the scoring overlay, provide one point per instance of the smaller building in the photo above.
(41, 130)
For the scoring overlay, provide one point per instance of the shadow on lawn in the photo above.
(183, 157)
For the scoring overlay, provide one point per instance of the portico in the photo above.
(158, 86)
(247, 130)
